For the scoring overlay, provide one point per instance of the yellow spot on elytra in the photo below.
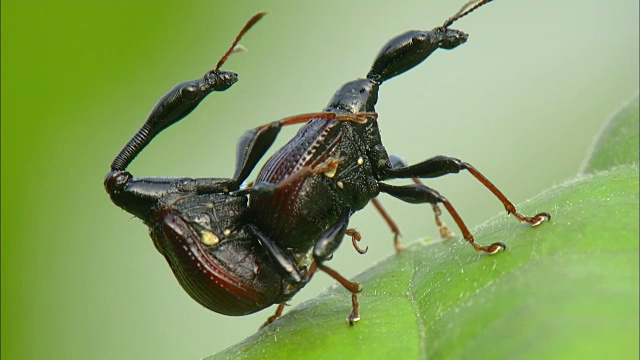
(340, 184)
(360, 161)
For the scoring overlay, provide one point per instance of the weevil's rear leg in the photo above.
(296, 276)
(443, 165)
(420, 194)
(275, 316)
(283, 259)
(445, 233)
(398, 162)
(353, 287)
(355, 238)
(392, 224)
(255, 142)
(323, 251)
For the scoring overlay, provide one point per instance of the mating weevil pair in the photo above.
(237, 250)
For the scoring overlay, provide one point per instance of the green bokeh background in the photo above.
(81, 279)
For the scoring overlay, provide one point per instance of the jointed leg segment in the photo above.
(420, 194)
(443, 165)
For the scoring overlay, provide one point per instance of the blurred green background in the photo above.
(81, 279)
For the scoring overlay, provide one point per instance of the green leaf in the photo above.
(617, 143)
(566, 289)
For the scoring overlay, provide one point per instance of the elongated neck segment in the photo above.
(411, 48)
(397, 56)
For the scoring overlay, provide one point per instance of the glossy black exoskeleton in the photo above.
(238, 250)
(196, 223)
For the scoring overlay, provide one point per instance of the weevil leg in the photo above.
(326, 166)
(443, 165)
(355, 238)
(392, 224)
(313, 268)
(420, 194)
(323, 250)
(355, 310)
(328, 242)
(399, 162)
(282, 257)
(275, 316)
(254, 143)
(445, 232)
(353, 287)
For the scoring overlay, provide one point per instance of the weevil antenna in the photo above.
(464, 12)
(246, 28)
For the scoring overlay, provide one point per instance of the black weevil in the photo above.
(239, 250)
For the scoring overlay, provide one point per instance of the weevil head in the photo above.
(217, 80)
(449, 38)
(183, 98)
(407, 50)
